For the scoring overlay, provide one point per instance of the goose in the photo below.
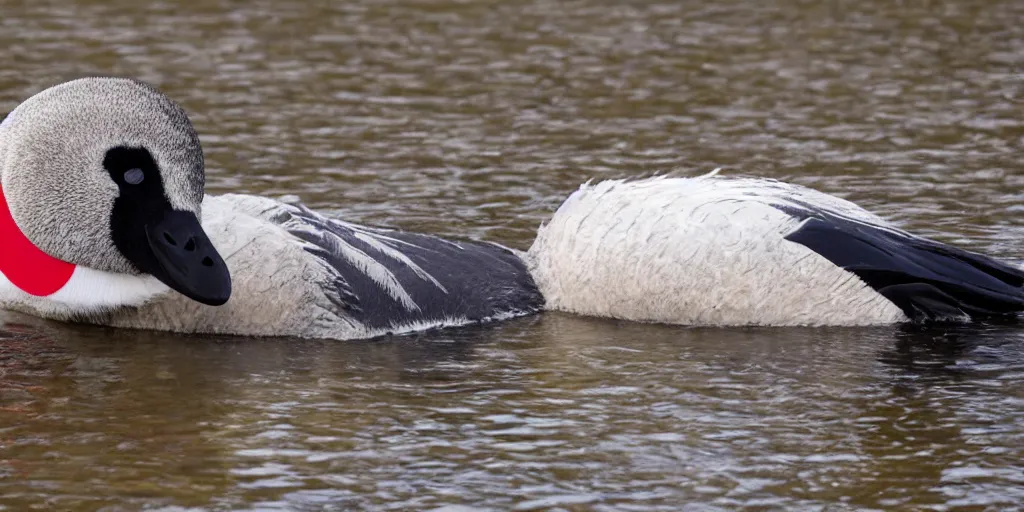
(104, 220)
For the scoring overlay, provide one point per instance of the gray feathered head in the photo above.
(108, 173)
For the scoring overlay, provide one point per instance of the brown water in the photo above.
(475, 118)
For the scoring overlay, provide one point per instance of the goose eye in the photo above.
(134, 176)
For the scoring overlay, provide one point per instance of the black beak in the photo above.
(186, 260)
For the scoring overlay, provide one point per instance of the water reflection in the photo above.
(571, 410)
(939, 351)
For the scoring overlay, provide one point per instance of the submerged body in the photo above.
(115, 230)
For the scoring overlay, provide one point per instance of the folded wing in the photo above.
(928, 280)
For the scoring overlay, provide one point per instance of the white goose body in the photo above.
(114, 230)
(700, 251)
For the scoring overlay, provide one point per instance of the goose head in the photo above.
(106, 174)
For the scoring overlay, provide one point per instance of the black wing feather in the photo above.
(480, 280)
(928, 280)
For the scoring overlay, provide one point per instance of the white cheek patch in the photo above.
(90, 290)
(30, 276)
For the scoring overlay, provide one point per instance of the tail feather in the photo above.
(928, 280)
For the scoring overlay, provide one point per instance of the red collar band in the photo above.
(24, 264)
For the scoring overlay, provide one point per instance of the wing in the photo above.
(928, 280)
(388, 278)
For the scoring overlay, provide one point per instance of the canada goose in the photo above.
(104, 219)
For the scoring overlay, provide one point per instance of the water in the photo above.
(476, 118)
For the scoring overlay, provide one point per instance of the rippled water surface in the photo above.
(476, 118)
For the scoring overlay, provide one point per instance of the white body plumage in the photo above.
(708, 250)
